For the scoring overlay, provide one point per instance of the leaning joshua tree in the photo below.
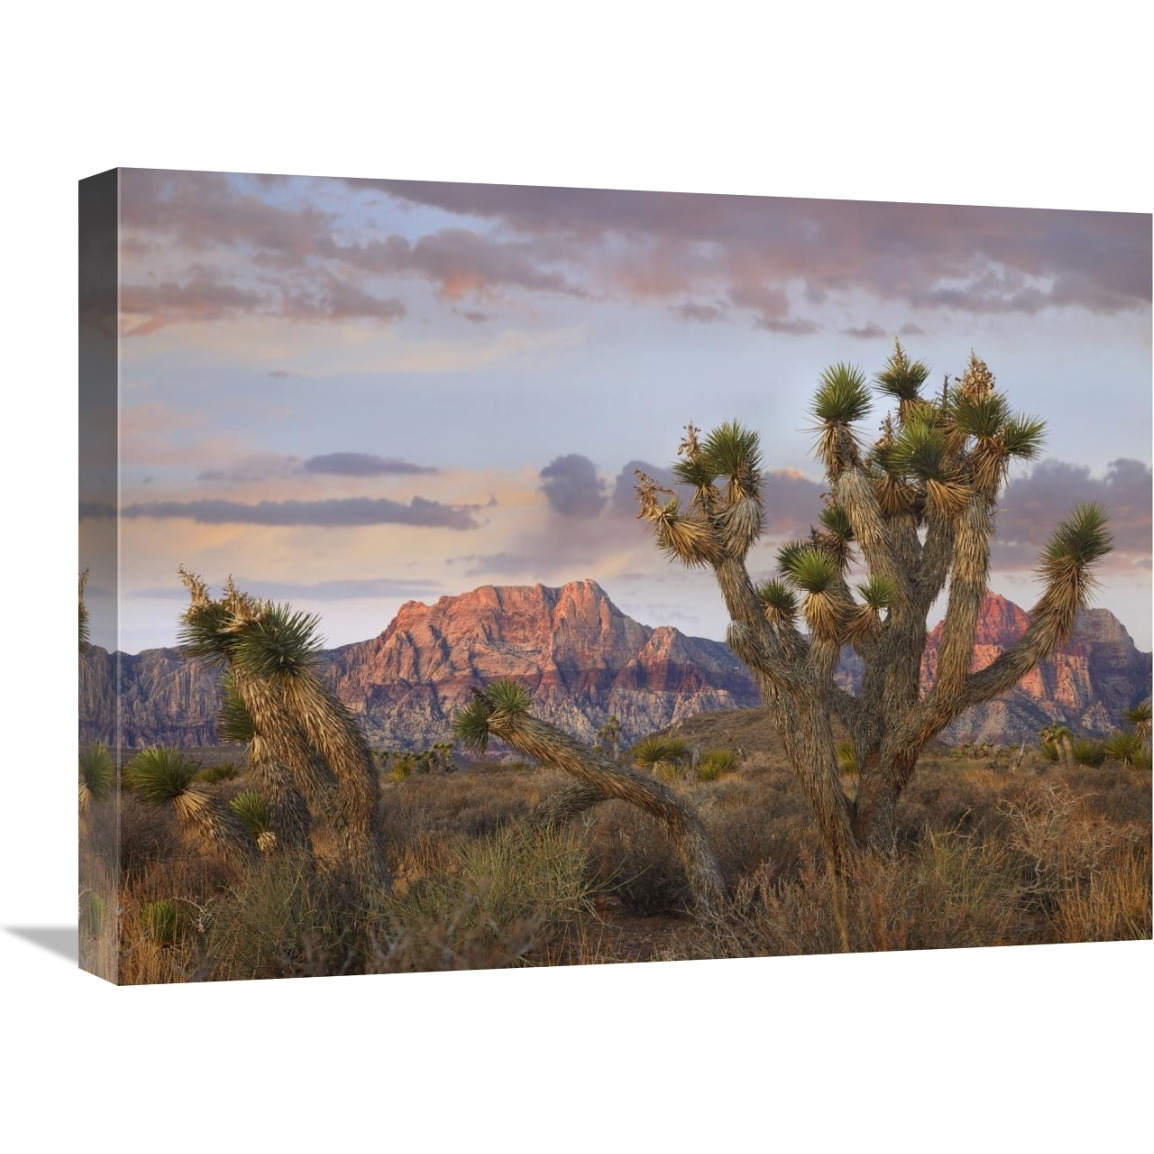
(502, 710)
(305, 748)
(918, 503)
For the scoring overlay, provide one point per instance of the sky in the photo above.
(353, 393)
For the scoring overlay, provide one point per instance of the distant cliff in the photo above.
(584, 660)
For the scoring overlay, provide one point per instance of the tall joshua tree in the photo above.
(305, 748)
(918, 503)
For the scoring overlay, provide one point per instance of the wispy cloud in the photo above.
(337, 512)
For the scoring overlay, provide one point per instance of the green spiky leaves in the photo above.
(878, 592)
(234, 723)
(1077, 543)
(982, 416)
(779, 602)
(811, 568)
(1023, 437)
(902, 379)
(158, 775)
(733, 451)
(841, 399)
(252, 810)
(280, 643)
(843, 396)
(493, 709)
(97, 774)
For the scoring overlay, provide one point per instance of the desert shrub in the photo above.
(404, 765)
(631, 856)
(282, 918)
(1088, 752)
(227, 771)
(715, 763)
(669, 770)
(1049, 749)
(950, 892)
(503, 898)
(163, 921)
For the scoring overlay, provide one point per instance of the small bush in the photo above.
(715, 763)
(228, 771)
(162, 921)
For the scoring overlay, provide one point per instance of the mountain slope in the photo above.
(584, 660)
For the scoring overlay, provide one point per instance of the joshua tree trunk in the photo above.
(919, 506)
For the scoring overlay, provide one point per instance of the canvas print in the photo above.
(476, 576)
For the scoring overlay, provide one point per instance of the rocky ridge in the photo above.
(584, 660)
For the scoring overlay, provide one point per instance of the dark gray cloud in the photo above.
(97, 509)
(1032, 506)
(572, 487)
(256, 467)
(335, 513)
(867, 332)
(362, 465)
(705, 314)
(332, 298)
(909, 329)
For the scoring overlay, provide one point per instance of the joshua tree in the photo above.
(304, 747)
(609, 735)
(502, 710)
(1061, 741)
(919, 504)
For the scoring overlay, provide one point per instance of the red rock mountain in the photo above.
(584, 660)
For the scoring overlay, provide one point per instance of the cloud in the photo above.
(909, 329)
(461, 262)
(705, 314)
(1032, 507)
(333, 513)
(770, 307)
(970, 258)
(95, 510)
(362, 465)
(572, 487)
(867, 332)
(202, 297)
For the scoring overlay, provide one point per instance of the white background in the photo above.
(1038, 1048)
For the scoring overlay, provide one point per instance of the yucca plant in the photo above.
(918, 508)
(503, 710)
(1124, 746)
(1139, 717)
(715, 763)
(306, 750)
(1088, 752)
(162, 777)
(97, 774)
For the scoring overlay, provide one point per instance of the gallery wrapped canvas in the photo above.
(476, 576)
